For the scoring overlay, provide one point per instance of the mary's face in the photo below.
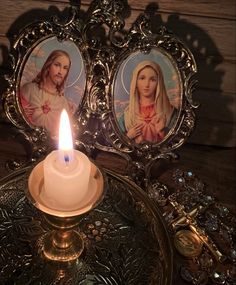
(147, 82)
(59, 69)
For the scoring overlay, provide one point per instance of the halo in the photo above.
(124, 74)
(131, 62)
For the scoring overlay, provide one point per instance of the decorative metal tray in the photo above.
(126, 241)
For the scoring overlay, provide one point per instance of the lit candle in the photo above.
(66, 172)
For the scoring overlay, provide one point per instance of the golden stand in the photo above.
(64, 243)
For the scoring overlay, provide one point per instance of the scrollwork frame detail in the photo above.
(96, 118)
(140, 38)
(28, 39)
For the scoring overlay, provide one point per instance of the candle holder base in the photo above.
(63, 242)
(53, 252)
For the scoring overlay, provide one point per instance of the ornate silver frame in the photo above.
(141, 39)
(28, 40)
(103, 55)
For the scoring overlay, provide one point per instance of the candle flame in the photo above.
(65, 136)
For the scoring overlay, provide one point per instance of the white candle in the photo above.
(66, 173)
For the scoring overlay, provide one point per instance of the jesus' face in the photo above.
(59, 69)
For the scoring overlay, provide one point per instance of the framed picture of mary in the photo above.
(147, 96)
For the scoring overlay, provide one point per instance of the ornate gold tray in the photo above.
(126, 241)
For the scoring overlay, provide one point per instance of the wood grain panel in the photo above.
(208, 29)
(24, 12)
(4, 50)
(203, 33)
(215, 118)
(216, 76)
(211, 8)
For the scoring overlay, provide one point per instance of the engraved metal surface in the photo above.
(125, 239)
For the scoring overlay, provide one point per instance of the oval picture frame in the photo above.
(161, 125)
(34, 45)
(40, 107)
(126, 75)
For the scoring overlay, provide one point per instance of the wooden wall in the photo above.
(207, 27)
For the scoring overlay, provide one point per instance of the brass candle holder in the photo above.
(64, 242)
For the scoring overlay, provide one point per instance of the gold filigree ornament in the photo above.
(188, 243)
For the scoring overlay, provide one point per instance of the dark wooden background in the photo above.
(209, 30)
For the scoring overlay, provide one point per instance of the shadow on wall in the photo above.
(213, 105)
(207, 56)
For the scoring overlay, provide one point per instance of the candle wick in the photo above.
(66, 158)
